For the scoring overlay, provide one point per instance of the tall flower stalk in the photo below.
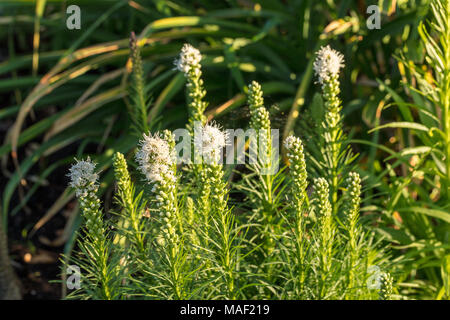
(95, 245)
(353, 200)
(157, 162)
(211, 186)
(131, 203)
(138, 93)
(267, 181)
(189, 63)
(263, 165)
(219, 225)
(210, 190)
(325, 229)
(298, 199)
(260, 122)
(327, 67)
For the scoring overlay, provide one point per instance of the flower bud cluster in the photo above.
(84, 180)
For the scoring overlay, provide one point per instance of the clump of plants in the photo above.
(203, 229)
(416, 201)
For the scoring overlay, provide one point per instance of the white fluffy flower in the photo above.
(328, 63)
(189, 58)
(83, 177)
(155, 158)
(290, 142)
(153, 149)
(213, 140)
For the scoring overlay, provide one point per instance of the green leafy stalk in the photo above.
(138, 92)
(327, 66)
(130, 202)
(353, 200)
(222, 230)
(298, 197)
(325, 231)
(261, 148)
(101, 279)
(218, 227)
(156, 159)
(188, 62)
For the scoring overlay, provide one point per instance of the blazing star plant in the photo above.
(177, 231)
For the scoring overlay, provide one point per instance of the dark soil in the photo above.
(36, 256)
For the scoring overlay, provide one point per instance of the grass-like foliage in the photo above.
(178, 232)
(419, 204)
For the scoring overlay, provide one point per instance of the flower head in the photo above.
(291, 141)
(328, 63)
(321, 194)
(83, 178)
(297, 165)
(189, 59)
(155, 158)
(386, 285)
(255, 96)
(354, 186)
(213, 140)
(353, 196)
(260, 119)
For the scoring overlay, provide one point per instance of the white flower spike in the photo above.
(291, 141)
(82, 176)
(189, 59)
(155, 158)
(328, 63)
(213, 140)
